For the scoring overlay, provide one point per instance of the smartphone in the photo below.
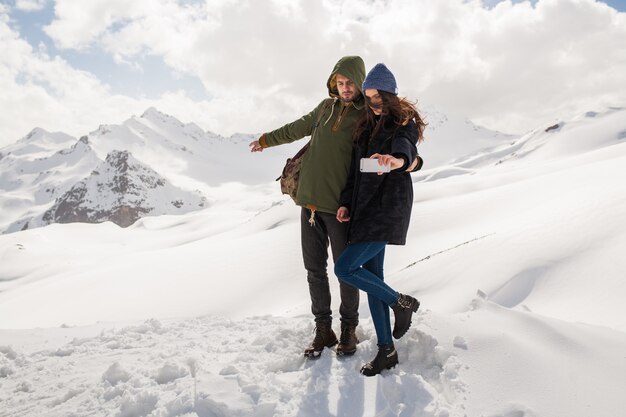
(371, 165)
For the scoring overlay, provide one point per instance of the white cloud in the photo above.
(535, 64)
(265, 62)
(31, 5)
(40, 91)
(47, 92)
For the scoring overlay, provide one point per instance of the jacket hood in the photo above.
(348, 66)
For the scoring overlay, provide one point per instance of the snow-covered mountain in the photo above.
(148, 165)
(515, 252)
(38, 169)
(450, 137)
(54, 178)
(121, 190)
(564, 139)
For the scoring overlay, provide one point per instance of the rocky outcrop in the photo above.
(121, 190)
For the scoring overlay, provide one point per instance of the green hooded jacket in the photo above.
(326, 164)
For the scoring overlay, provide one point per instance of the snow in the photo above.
(515, 252)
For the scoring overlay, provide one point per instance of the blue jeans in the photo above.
(361, 265)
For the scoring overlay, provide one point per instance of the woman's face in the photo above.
(374, 100)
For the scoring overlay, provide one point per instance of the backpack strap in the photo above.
(327, 102)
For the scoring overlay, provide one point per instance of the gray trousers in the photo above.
(315, 240)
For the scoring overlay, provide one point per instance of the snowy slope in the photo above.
(450, 137)
(515, 255)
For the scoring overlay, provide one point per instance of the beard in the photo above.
(349, 99)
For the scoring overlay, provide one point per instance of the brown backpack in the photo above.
(291, 171)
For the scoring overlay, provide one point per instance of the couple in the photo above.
(358, 213)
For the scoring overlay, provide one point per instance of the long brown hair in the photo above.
(397, 110)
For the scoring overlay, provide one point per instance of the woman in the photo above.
(378, 207)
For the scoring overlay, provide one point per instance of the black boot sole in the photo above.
(367, 372)
(315, 354)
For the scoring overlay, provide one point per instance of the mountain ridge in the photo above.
(43, 166)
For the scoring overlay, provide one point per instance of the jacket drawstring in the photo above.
(332, 109)
(312, 209)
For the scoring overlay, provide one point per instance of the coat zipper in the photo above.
(342, 113)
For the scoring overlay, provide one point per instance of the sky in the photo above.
(251, 66)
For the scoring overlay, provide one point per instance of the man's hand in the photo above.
(343, 214)
(255, 146)
(389, 160)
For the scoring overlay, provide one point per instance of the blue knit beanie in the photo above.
(380, 78)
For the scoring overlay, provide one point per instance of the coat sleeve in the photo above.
(345, 199)
(420, 163)
(295, 130)
(404, 145)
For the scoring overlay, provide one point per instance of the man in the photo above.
(323, 175)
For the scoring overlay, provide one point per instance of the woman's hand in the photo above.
(343, 214)
(389, 160)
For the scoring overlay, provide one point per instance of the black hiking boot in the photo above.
(347, 340)
(324, 337)
(386, 358)
(403, 309)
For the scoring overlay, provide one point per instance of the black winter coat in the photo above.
(380, 205)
